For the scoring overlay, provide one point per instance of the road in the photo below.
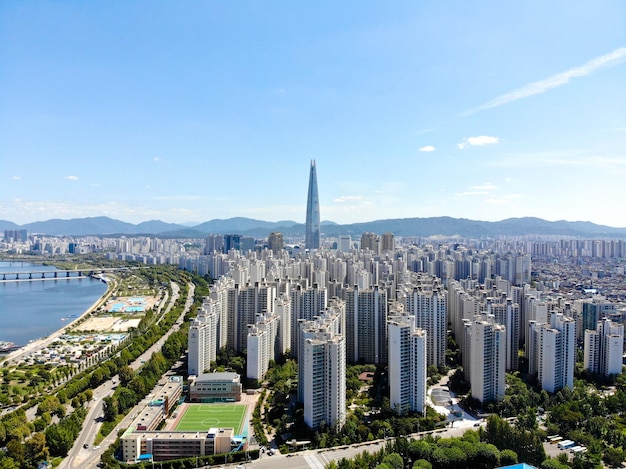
(80, 457)
(319, 458)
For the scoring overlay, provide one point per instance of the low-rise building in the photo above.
(164, 446)
(215, 387)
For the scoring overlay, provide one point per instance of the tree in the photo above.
(508, 457)
(15, 450)
(553, 464)
(394, 461)
(36, 449)
(8, 463)
(422, 464)
(111, 409)
(126, 374)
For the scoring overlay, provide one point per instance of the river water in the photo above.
(35, 309)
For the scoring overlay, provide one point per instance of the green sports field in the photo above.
(201, 417)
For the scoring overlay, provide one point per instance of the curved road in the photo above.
(79, 457)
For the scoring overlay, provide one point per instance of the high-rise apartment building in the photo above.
(387, 242)
(312, 227)
(551, 352)
(604, 348)
(508, 314)
(427, 302)
(202, 339)
(275, 242)
(594, 310)
(370, 241)
(244, 303)
(344, 243)
(306, 303)
(261, 345)
(407, 364)
(487, 357)
(366, 325)
(331, 321)
(324, 379)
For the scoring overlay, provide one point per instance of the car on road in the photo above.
(85, 446)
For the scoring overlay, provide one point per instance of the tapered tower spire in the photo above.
(312, 235)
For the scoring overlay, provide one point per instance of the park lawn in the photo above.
(202, 417)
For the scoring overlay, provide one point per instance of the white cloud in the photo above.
(477, 141)
(16, 178)
(482, 140)
(505, 199)
(427, 148)
(484, 187)
(470, 193)
(71, 178)
(554, 81)
(348, 198)
(156, 158)
(179, 197)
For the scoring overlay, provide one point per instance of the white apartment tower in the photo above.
(202, 343)
(322, 370)
(604, 348)
(306, 303)
(487, 356)
(366, 325)
(261, 345)
(427, 302)
(244, 303)
(508, 314)
(407, 364)
(282, 308)
(551, 352)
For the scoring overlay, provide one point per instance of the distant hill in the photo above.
(433, 226)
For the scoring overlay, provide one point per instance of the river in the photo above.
(35, 309)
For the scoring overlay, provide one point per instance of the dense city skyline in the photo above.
(140, 111)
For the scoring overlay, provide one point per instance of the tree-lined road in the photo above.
(80, 457)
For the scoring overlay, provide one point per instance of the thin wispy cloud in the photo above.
(16, 178)
(71, 178)
(470, 193)
(505, 199)
(348, 198)
(179, 197)
(477, 141)
(484, 187)
(427, 148)
(554, 81)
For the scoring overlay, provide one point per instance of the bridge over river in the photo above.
(59, 274)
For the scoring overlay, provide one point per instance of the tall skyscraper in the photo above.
(312, 235)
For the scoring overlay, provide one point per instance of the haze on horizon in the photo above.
(204, 110)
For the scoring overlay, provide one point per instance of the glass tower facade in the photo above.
(312, 235)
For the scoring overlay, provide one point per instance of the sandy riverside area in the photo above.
(108, 323)
(42, 343)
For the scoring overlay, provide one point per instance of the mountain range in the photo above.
(432, 226)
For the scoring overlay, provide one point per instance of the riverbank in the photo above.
(41, 343)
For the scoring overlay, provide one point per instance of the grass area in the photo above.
(201, 417)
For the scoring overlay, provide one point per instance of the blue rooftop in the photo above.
(518, 466)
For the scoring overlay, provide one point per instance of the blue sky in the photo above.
(194, 110)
